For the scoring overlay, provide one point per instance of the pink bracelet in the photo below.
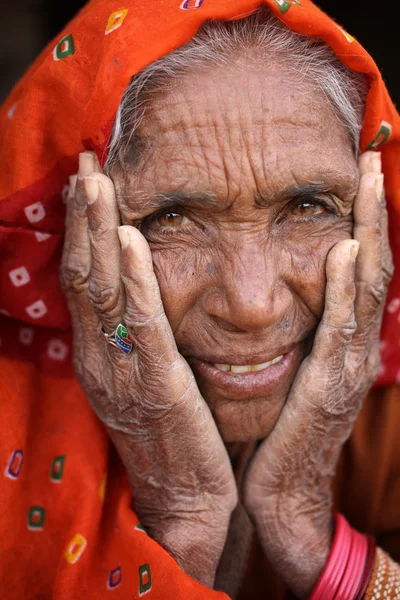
(355, 567)
(360, 564)
(341, 564)
(345, 567)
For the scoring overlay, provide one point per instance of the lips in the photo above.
(250, 383)
(244, 359)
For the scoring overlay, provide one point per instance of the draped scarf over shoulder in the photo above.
(66, 504)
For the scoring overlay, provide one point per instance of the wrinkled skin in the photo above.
(250, 274)
(236, 283)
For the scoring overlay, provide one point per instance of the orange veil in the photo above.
(67, 528)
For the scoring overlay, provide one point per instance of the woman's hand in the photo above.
(288, 485)
(181, 478)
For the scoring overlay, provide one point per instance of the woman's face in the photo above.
(245, 180)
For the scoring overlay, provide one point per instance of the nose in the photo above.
(250, 294)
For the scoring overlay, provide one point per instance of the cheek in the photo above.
(306, 260)
(180, 274)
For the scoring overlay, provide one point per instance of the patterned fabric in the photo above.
(385, 580)
(67, 530)
(67, 102)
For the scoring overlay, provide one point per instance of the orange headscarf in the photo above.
(66, 530)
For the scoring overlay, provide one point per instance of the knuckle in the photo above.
(372, 295)
(99, 230)
(377, 293)
(343, 333)
(72, 277)
(104, 298)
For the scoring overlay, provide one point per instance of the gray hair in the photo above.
(218, 43)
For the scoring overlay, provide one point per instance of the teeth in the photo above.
(248, 368)
(277, 359)
(223, 367)
(240, 369)
(262, 366)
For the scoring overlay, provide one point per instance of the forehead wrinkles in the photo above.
(212, 133)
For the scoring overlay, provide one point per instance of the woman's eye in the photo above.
(309, 209)
(172, 219)
(165, 221)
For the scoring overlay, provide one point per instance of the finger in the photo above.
(144, 312)
(105, 287)
(368, 214)
(370, 162)
(75, 264)
(375, 165)
(387, 256)
(337, 325)
(68, 215)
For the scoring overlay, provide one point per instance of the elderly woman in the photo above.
(226, 272)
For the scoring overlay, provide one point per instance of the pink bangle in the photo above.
(335, 565)
(362, 559)
(342, 561)
(355, 567)
(345, 568)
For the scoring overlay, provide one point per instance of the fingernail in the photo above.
(354, 247)
(377, 163)
(124, 236)
(92, 189)
(86, 164)
(379, 186)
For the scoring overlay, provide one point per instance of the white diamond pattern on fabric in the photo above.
(19, 276)
(57, 349)
(41, 237)
(35, 212)
(37, 309)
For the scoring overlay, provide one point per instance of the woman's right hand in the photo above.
(181, 478)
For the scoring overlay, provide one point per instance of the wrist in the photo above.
(195, 543)
(297, 541)
(348, 568)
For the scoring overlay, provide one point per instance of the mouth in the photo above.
(242, 369)
(256, 378)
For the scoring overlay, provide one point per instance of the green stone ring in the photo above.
(119, 338)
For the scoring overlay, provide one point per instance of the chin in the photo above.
(246, 421)
(246, 406)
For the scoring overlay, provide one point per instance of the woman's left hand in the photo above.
(287, 489)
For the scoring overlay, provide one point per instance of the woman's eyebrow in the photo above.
(293, 191)
(342, 188)
(162, 200)
(180, 198)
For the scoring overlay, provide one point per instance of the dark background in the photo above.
(27, 26)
